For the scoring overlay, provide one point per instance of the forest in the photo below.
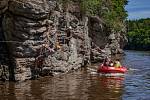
(138, 34)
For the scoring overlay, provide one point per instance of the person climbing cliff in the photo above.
(48, 48)
(57, 46)
(42, 53)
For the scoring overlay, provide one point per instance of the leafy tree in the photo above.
(111, 11)
(139, 34)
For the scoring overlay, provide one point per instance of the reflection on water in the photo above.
(80, 85)
(85, 84)
(111, 88)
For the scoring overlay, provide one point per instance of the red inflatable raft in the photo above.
(107, 69)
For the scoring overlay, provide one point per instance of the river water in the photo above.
(86, 84)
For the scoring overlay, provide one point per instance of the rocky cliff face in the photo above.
(45, 36)
(4, 57)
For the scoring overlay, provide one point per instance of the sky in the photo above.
(138, 9)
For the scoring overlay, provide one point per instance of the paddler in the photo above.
(117, 63)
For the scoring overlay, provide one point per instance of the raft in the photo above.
(107, 69)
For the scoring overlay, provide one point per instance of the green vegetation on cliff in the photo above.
(111, 11)
(139, 34)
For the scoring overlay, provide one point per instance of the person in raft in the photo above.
(107, 62)
(117, 63)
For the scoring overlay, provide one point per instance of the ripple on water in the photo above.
(86, 84)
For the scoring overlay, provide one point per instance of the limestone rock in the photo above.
(3, 6)
(34, 9)
(45, 37)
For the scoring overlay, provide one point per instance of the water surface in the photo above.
(86, 84)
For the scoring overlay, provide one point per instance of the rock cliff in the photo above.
(46, 36)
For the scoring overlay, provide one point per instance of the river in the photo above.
(86, 84)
